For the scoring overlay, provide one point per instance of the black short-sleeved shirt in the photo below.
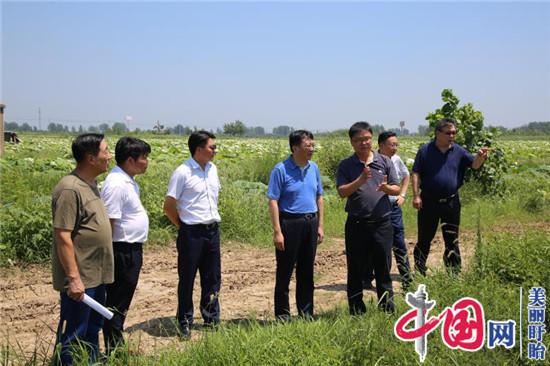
(441, 174)
(367, 202)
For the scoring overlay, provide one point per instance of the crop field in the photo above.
(507, 233)
(30, 171)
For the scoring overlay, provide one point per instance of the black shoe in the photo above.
(184, 332)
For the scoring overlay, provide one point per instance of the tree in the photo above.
(377, 129)
(236, 128)
(471, 135)
(181, 130)
(103, 128)
(11, 126)
(259, 131)
(57, 127)
(255, 131)
(119, 128)
(282, 130)
(423, 130)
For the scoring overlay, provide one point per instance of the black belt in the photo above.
(291, 216)
(368, 221)
(439, 199)
(126, 245)
(210, 226)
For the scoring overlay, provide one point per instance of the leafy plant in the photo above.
(472, 136)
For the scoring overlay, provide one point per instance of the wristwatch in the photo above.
(403, 195)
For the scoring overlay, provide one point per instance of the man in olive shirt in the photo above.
(82, 253)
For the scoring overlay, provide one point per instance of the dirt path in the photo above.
(29, 309)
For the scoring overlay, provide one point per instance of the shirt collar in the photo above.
(375, 157)
(293, 164)
(119, 170)
(450, 148)
(193, 163)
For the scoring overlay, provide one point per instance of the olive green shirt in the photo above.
(77, 206)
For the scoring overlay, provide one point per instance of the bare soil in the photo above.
(29, 307)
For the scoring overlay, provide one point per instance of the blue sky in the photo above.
(312, 65)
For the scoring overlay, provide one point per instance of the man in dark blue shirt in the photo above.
(438, 173)
(366, 179)
(296, 208)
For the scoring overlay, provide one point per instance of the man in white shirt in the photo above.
(130, 226)
(191, 204)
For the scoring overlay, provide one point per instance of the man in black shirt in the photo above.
(365, 179)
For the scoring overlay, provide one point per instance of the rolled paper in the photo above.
(106, 313)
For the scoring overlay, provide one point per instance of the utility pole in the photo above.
(2, 106)
(39, 119)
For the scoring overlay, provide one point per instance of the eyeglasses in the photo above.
(448, 133)
(361, 140)
(212, 147)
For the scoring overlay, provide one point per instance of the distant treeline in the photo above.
(530, 129)
(239, 128)
(236, 128)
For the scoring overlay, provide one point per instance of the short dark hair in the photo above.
(295, 138)
(130, 147)
(87, 143)
(385, 135)
(444, 122)
(198, 139)
(358, 127)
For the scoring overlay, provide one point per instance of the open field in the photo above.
(505, 237)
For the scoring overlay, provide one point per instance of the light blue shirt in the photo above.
(295, 189)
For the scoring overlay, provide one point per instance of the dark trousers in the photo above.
(300, 240)
(128, 261)
(432, 212)
(399, 249)
(199, 248)
(364, 240)
(79, 327)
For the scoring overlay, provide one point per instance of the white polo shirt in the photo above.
(196, 192)
(120, 194)
(401, 170)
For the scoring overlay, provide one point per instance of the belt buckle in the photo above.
(442, 200)
(210, 226)
(309, 216)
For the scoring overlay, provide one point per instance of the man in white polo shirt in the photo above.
(191, 204)
(130, 225)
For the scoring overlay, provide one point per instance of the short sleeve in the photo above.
(176, 184)
(66, 210)
(403, 170)
(319, 181)
(341, 176)
(275, 184)
(390, 171)
(113, 196)
(467, 158)
(417, 166)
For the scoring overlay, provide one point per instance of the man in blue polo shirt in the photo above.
(366, 179)
(296, 208)
(438, 173)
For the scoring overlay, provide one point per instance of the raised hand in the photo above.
(483, 152)
(383, 187)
